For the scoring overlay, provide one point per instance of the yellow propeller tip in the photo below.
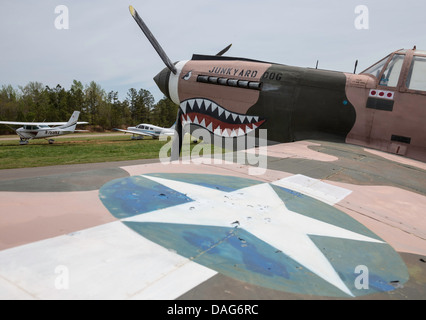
(132, 10)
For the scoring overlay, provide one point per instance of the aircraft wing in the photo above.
(14, 123)
(369, 228)
(135, 132)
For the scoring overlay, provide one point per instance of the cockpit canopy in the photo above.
(144, 127)
(36, 127)
(405, 69)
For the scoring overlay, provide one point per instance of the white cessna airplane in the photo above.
(149, 130)
(43, 130)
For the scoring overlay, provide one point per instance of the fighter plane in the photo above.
(143, 129)
(45, 130)
(382, 108)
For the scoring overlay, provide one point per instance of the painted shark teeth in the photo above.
(216, 119)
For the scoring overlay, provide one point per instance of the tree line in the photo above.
(103, 110)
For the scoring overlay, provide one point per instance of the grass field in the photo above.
(77, 149)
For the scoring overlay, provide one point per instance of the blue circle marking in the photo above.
(256, 232)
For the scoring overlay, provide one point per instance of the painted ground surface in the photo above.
(323, 221)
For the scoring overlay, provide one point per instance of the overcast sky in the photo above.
(104, 44)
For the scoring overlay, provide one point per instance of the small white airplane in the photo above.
(143, 129)
(43, 130)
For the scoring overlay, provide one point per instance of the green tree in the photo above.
(120, 113)
(94, 97)
(8, 106)
(164, 112)
(140, 104)
(34, 103)
(58, 108)
(76, 100)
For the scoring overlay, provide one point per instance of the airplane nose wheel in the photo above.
(51, 141)
(23, 142)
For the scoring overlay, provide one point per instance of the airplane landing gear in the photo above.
(23, 142)
(51, 141)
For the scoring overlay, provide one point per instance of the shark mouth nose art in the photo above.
(216, 119)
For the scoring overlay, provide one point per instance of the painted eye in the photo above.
(187, 76)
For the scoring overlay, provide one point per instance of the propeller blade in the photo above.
(152, 39)
(224, 50)
(177, 137)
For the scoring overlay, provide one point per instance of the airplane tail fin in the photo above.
(72, 122)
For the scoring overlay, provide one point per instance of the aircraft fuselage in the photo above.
(36, 132)
(295, 103)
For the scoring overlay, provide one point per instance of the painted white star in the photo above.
(260, 211)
